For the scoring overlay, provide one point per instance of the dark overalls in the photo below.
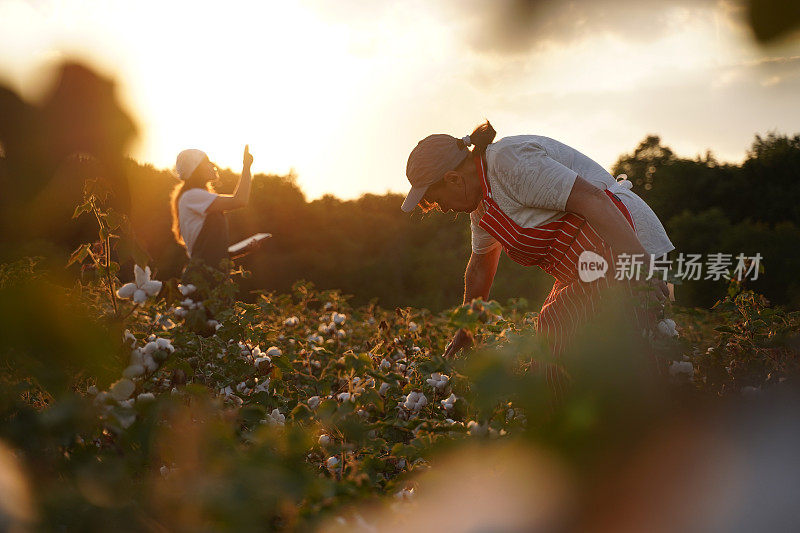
(208, 252)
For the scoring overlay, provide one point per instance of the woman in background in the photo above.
(198, 213)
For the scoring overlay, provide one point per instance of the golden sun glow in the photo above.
(342, 93)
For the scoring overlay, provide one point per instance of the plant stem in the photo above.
(108, 275)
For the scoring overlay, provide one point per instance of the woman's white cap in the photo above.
(187, 162)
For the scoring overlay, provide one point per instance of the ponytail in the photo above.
(480, 138)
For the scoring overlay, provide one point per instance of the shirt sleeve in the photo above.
(482, 241)
(533, 178)
(198, 200)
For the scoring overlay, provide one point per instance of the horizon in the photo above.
(341, 96)
(308, 198)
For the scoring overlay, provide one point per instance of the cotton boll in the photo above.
(338, 318)
(324, 440)
(681, 368)
(332, 463)
(477, 429)
(122, 389)
(415, 401)
(344, 397)
(383, 388)
(129, 338)
(667, 328)
(274, 351)
(313, 402)
(101, 397)
(449, 402)
(133, 371)
(164, 344)
(145, 397)
(275, 418)
(126, 419)
(150, 363)
(186, 290)
(438, 381)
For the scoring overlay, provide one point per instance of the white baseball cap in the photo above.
(187, 162)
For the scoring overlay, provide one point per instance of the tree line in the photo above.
(368, 248)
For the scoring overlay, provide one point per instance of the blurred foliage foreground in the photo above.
(149, 407)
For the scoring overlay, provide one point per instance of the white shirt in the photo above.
(531, 177)
(192, 207)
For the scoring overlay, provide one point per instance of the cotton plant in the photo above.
(141, 288)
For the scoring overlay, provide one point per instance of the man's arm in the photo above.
(480, 273)
(597, 208)
(478, 279)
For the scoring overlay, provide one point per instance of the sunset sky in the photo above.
(342, 91)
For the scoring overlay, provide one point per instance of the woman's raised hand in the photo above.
(247, 159)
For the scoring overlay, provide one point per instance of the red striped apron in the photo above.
(555, 247)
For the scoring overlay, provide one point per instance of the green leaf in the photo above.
(79, 254)
(82, 208)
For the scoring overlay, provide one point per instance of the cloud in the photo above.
(519, 27)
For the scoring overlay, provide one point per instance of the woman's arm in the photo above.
(241, 196)
(597, 208)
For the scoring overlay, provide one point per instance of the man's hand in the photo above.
(462, 339)
(247, 160)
